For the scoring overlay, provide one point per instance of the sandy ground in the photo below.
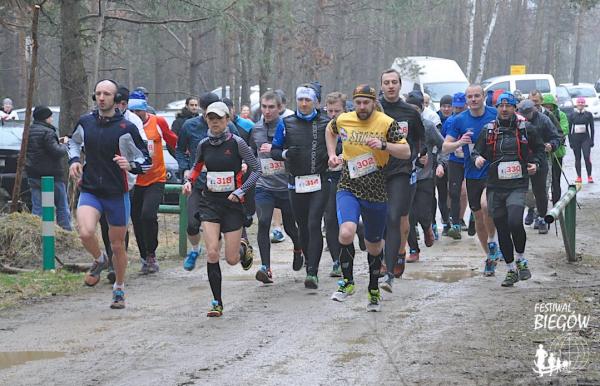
(444, 324)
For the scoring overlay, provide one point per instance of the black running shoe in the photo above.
(298, 260)
(471, 229)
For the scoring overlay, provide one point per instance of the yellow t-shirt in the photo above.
(354, 134)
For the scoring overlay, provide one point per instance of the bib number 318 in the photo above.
(220, 181)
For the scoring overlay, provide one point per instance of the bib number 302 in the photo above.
(308, 184)
(362, 165)
(220, 181)
(510, 170)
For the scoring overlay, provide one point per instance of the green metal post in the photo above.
(48, 222)
(570, 224)
(183, 220)
(565, 210)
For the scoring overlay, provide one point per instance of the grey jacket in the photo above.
(433, 141)
(264, 132)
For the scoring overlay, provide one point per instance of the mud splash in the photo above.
(9, 359)
(450, 276)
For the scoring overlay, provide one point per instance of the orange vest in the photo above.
(158, 171)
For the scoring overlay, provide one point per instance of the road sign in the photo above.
(518, 69)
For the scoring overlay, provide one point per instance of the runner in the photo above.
(464, 133)
(441, 176)
(455, 172)
(271, 188)
(581, 137)
(550, 104)
(510, 150)
(421, 209)
(220, 208)
(113, 147)
(400, 174)
(368, 138)
(149, 187)
(300, 142)
(192, 132)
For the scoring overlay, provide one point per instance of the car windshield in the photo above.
(11, 134)
(562, 93)
(437, 90)
(527, 85)
(582, 92)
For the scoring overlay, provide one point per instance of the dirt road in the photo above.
(444, 324)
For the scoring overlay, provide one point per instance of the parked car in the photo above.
(55, 115)
(11, 134)
(587, 91)
(544, 83)
(436, 76)
(565, 103)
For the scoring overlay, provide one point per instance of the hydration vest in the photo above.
(513, 145)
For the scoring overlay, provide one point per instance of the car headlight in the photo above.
(169, 175)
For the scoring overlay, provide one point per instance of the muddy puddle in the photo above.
(9, 359)
(449, 276)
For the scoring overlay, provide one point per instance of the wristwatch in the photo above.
(383, 145)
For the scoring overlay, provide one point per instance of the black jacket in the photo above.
(182, 116)
(45, 155)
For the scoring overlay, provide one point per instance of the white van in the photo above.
(544, 83)
(434, 76)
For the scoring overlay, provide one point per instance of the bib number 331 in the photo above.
(510, 170)
(220, 181)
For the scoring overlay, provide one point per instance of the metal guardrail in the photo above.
(565, 210)
(181, 210)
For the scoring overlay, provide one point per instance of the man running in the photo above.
(300, 142)
(271, 188)
(512, 153)
(368, 137)
(149, 187)
(463, 134)
(113, 147)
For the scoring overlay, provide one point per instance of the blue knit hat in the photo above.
(508, 98)
(137, 101)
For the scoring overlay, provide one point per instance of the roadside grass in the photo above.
(24, 287)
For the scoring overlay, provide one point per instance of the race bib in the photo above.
(271, 167)
(308, 184)
(362, 165)
(509, 170)
(220, 181)
(403, 128)
(579, 129)
(150, 148)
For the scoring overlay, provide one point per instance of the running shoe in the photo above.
(246, 255)
(216, 310)
(386, 283)
(590, 180)
(463, 225)
(344, 290)
(489, 268)
(578, 180)
(336, 270)
(436, 235)
(445, 230)
(492, 250)
(530, 216)
(190, 260)
(111, 276)
(298, 261)
(511, 278)
(152, 264)
(374, 304)
(454, 232)
(471, 229)
(429, 237)
(277, 236)
(311, 282)
(400, 265)
(524, 272)
(536, 223)
(264, 275)
(361, 243)
(143, 267)
(542, 226)
(118, 299)
(413, 256)
(92, 277)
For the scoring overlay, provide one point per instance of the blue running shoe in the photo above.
(277, 236)
(436, 235)
(190, 261)
(490, 267)
(493, 251)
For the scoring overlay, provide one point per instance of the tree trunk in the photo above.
(577, 64)
(99, 35)
(265, 60)
(471, 37)
(73, 79)
(486, 41)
